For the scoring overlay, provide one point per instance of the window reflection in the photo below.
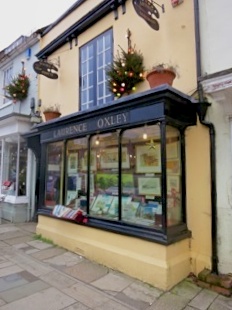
(141, 178)
(14, 170)
(76, 177)
(90, 181)
(174, 191)
(104, 175)
(54, 174)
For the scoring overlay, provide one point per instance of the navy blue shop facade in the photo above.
(123, 164)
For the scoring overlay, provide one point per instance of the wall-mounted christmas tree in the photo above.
(126, 71)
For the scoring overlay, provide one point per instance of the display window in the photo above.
(14, 168)
(76, 174)
(119, 176)
(104, 173)
(141, 202)
(54, 174)
(174, 177)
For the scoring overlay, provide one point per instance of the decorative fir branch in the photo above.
(125, 72)
(18, 88)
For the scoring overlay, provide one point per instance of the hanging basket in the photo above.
(156, 78)
(51, 115)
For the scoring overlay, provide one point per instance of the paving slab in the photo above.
(58, 280)
(3, 244)
(221, 303)
(11, 281)
(38, 244)
(10, 270)
(139, 295)
(112, 305)
(12, 234)
(66, 259)
(50, 298)
(8, 228)
(23, 291)
(5, 263)
(15, 280)
(203, 300)
(169, 301)
(86, 295)
(48, 253)
(22, 239)
(86, 271)
(29, 264)
(112, 283)
(186, 289)
(77, 306)
(30, 226)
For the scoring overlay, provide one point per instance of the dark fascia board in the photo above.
(80, 26)
(138, 99)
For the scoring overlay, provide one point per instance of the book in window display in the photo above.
(130, 210)
(101, 204)
(113, 209)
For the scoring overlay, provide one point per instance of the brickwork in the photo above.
(222, 284)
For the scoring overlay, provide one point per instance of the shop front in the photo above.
(123, 167)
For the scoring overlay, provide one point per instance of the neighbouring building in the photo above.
(215, 78)
(19, 91)
(124, 180)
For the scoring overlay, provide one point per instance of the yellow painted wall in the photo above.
(198, 195)
(152, 263)
(173, 43)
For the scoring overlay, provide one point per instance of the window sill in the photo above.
(174, 233)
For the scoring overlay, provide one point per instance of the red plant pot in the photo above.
(156, 77)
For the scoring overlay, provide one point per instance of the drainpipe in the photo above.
(201, 110)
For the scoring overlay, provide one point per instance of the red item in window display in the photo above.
(7, 183)
(81, 217)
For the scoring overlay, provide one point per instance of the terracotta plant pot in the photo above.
(51, 115)
(158, 77)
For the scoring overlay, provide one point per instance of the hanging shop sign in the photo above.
(147, 10)
(46, 68)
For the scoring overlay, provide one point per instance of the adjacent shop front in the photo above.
(123, 167)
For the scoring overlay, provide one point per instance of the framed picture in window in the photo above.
(149, 186)
(72, 163)
(172, 150)
(148, 159)
(173, 183)
(173, 166)
(109, 158)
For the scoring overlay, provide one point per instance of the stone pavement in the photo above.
(36, 275)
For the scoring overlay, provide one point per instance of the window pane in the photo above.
(54, 175)
(174, 191)
(10, 165)
(95, 55)
(104, 176)
(141, 176)
(100, 60)
(76, 178)
(22, 168)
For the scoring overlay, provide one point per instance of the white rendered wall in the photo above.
(216, 51)
(216, 43)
